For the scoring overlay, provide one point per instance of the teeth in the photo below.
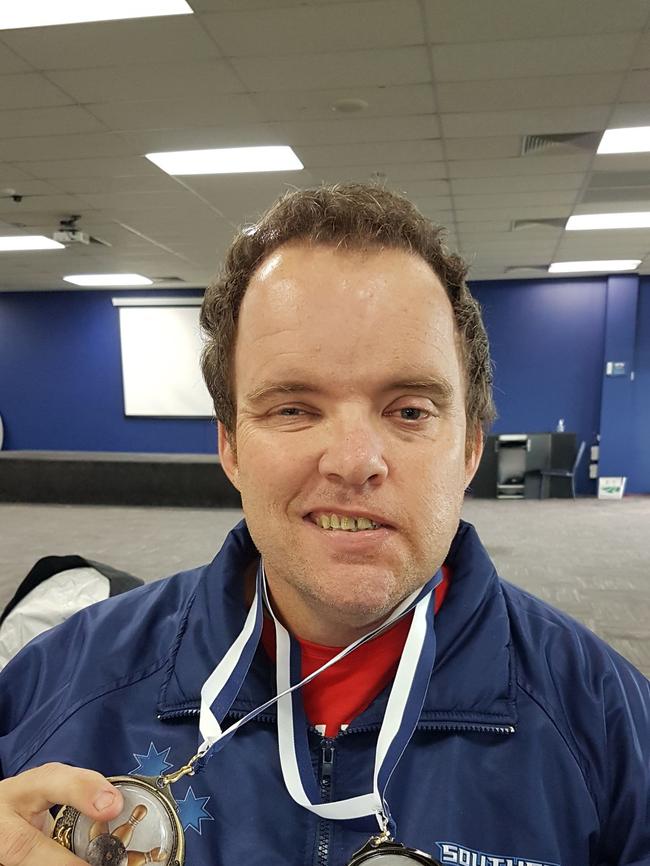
(348, 524)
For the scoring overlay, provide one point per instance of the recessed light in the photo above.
(593, 221)
(108, 280)
(17, 243)
(601, 266)
(631, 139)
(40, 13)
(227, 160)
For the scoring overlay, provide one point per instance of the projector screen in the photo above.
(161, 347)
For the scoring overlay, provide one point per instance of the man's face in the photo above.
(350, 402)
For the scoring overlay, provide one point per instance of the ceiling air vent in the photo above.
(552, 223)
(560, 143)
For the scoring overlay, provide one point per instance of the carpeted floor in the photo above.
(590, 558)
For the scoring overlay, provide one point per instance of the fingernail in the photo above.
(103, 800)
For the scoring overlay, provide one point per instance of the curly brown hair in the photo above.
(351, 216)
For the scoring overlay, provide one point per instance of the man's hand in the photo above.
(24, 819)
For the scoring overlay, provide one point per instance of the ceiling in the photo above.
(454, 89)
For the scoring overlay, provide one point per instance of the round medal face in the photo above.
(390, 853)
(147, 830)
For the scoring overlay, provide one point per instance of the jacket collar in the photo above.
(473, 677)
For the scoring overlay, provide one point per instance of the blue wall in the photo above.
(61, 379)
(61, 384)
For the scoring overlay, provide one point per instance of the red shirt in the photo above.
(344, 691)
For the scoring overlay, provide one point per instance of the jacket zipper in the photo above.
(469, 727)
(324, 827)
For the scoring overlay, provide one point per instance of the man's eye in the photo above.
(413, 413)
(291, 411)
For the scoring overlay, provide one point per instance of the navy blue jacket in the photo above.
(533, 746)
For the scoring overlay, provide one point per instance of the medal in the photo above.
(149, 830)
(380, 851)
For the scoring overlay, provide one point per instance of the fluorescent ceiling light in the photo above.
(227, 160)
(602, 266)
(42, 13)
(108, 280)
(592, 221)
(632, 139)
(28, 242)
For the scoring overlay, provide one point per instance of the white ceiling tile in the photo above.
(29, 90)
(188, 138)
(31, 188)
(533, 57)
(17, 123)
(622, 162)
(10, 174)
(636, 86)
(48, 147)
(10, 62)
(433, 204)
(141, 40)
(40, 205)
(343, 131)
(468, 21)
(516, 199)
(642, 52)
(477, 185)
(135, 200)
(317, 104)
(115, 184)
(277, 32)
(90, 167)
(389, 66)
(492, 147)
(423, 188)
(529, 165)
(631, 113)
(531, 122)
(516, 93)
(192, 80)
(216, 109)
(381, 172)
(517, 212)
(362, 154)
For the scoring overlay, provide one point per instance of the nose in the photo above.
(353, 454)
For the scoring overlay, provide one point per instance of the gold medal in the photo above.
(147, 830)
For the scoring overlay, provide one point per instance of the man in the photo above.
(350, 373)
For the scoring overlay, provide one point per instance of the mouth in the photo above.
(333, 521)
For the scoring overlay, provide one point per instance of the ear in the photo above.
(473, 455)
(227, 455)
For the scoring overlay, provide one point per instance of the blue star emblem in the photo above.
(192, 811)
(153, 763)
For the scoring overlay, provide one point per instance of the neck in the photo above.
(307, 621)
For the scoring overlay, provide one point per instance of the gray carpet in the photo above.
(588, 557)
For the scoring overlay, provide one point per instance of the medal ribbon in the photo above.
(400, 718)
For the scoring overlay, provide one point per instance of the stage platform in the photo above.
(115, 478)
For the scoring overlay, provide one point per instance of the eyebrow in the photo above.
(436, 387)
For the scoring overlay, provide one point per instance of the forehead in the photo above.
(358, 309)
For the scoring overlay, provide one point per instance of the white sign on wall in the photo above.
(161, 347)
